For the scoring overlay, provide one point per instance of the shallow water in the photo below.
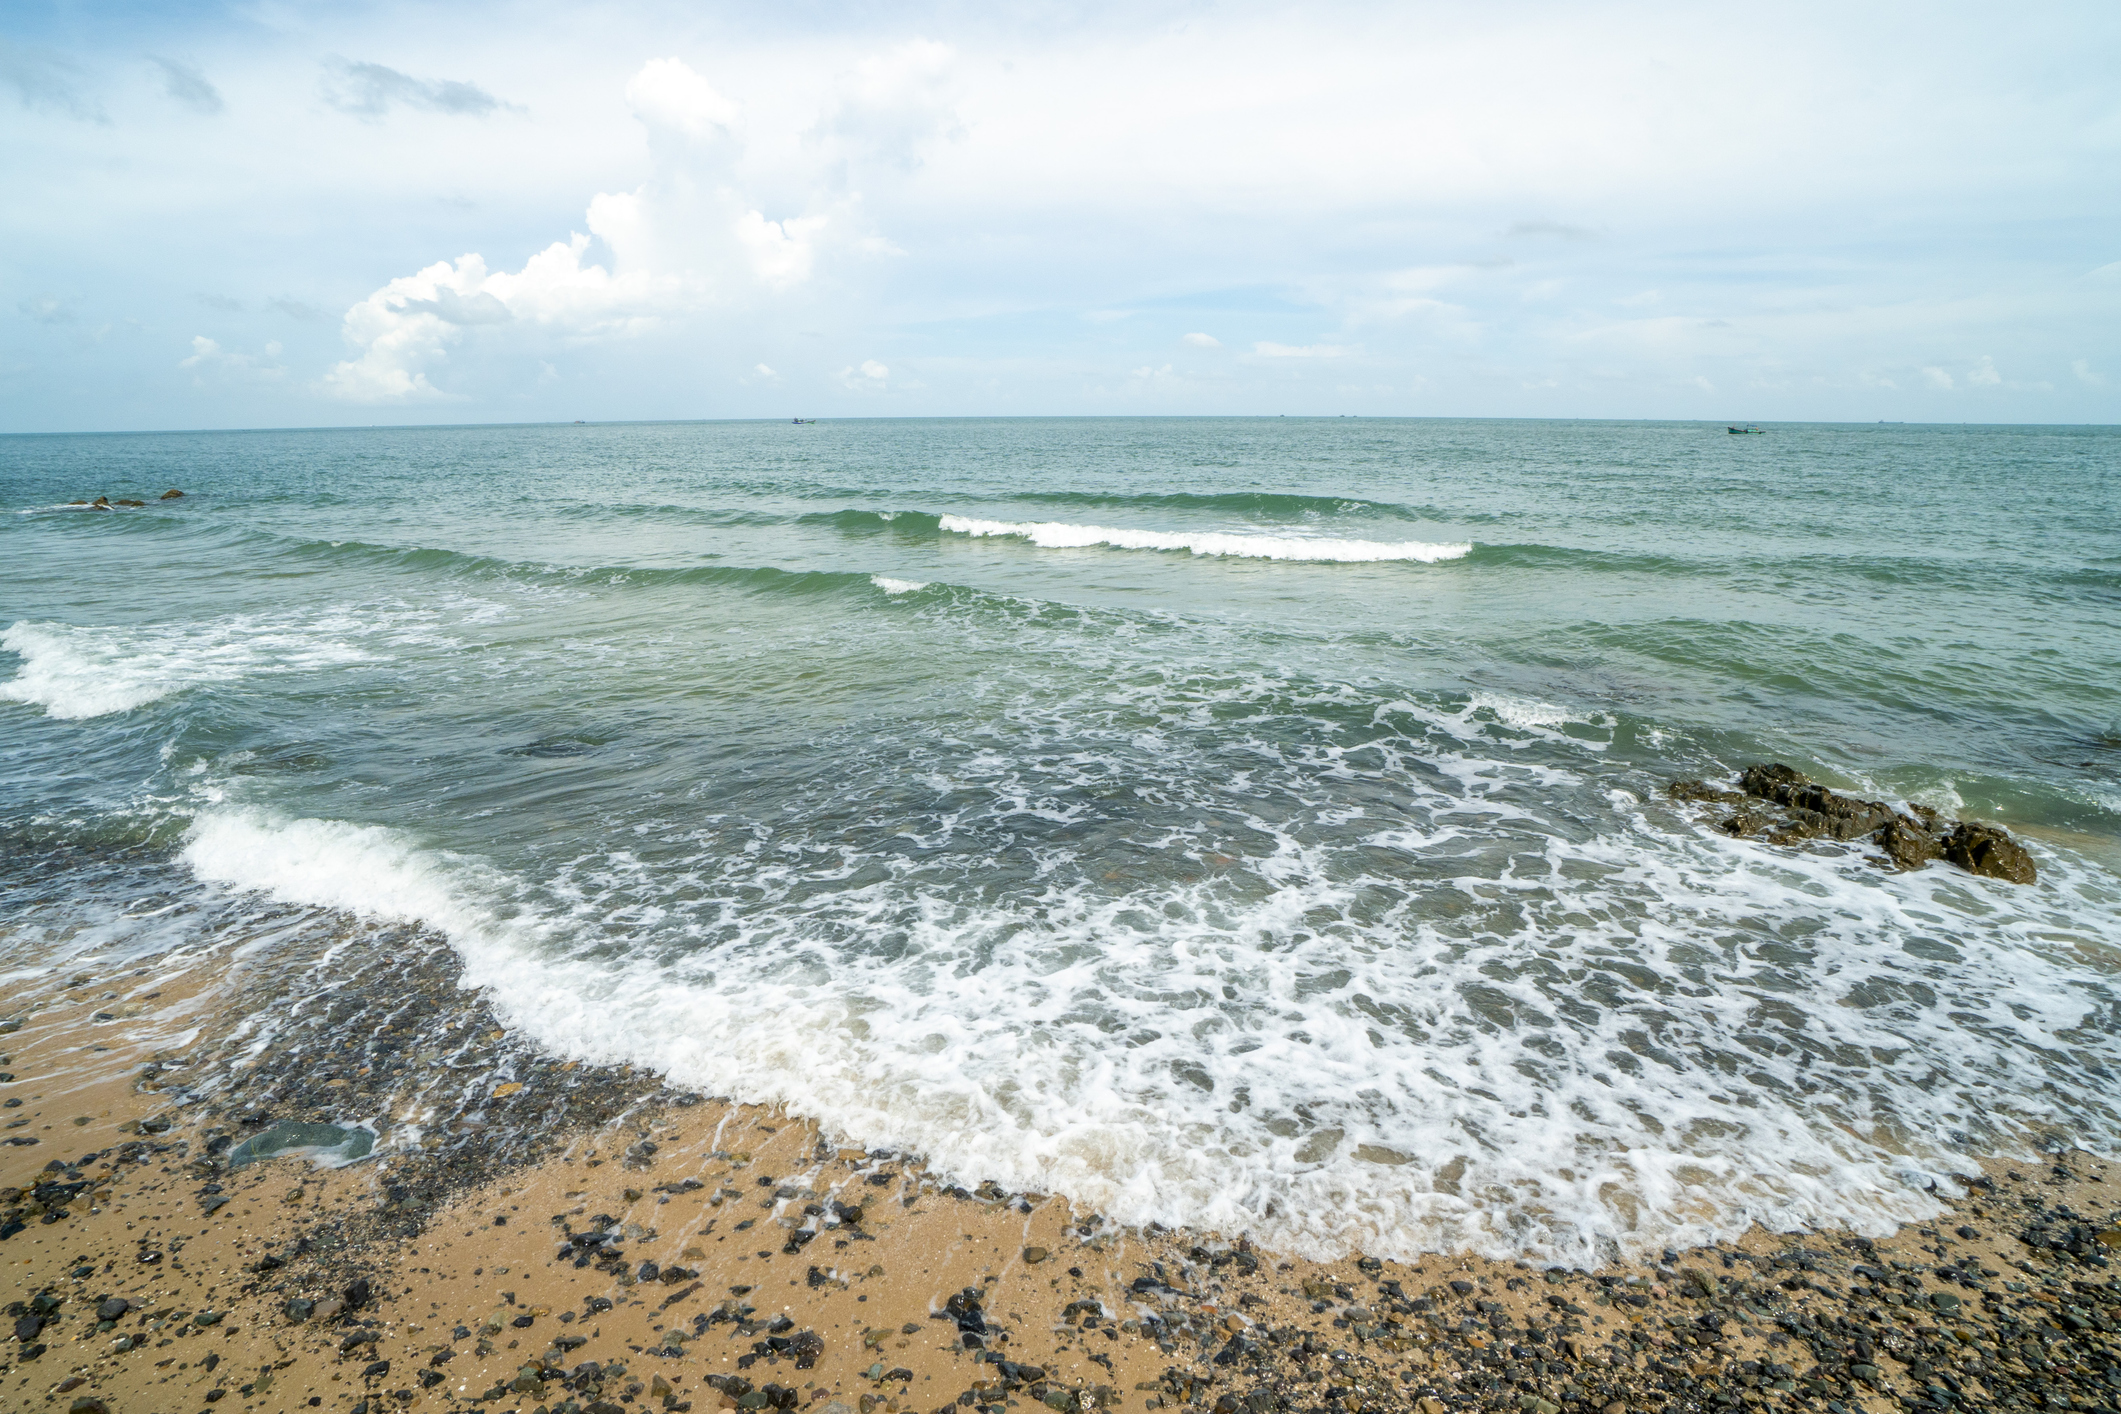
(1251, 824)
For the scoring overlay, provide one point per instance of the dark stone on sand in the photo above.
(375, 1369)
(112, 1308)
(1988, 850)
(357, 1294)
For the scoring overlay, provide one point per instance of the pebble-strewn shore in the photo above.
(538, 1235)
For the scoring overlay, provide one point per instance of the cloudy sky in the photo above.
(283, 213)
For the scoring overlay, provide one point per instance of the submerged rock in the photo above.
(1783, 806)
(171, 494)
(326, 1143)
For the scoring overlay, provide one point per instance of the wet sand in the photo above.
(539, 1235)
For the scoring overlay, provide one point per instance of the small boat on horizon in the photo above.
(802, 421)
(1747, 430)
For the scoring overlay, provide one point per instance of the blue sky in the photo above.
(278, 213)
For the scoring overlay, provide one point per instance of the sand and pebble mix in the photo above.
(532, 1234)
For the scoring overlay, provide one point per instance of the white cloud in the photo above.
(763, 371)
(667, 93)
(411, 322)
(1203, 341)
(1938, 378)
(782, 252)
(891, 107)
(685, 240)
(1985, 373)
(869, 377)
(2083, 369)
(207, 356)
(1272, 350)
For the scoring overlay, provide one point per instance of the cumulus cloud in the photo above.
(1265, 349)
(1938, 378)
(411, 322)
(2083, 369)
(891, 106)
(186, 85)
(370, 90)
(667, 93)
(687, 239)
(1203, 341)
(48, 81)
(1984, 373)
(870, 376)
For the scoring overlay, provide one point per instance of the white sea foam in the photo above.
(1268, 1044)
(1054, 535)
(1522, 712)
(897, 586)
(76, 672)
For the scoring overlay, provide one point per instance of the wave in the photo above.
(897, 586)
(1053, 535)
(76, 673)
(1266, 504)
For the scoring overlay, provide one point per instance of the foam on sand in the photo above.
(1059, 535)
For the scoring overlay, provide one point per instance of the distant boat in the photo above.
(1748, 429)
(802, 421)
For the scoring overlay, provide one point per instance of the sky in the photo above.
(282, 213)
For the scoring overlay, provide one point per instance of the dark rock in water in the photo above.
(1769, 782)
(1988, 850)
(1810, 811)
(171, 494)
(1906, 844)
(122, 502)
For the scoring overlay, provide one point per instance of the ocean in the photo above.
(1257, 825)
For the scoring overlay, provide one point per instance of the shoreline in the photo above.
(557, 1234)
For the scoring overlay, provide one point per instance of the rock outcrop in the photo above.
(1784, 807)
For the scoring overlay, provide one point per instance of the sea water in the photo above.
(1251, 824)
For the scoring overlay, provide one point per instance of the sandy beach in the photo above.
(630, 1247)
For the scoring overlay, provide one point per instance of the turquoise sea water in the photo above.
(1249, 823)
